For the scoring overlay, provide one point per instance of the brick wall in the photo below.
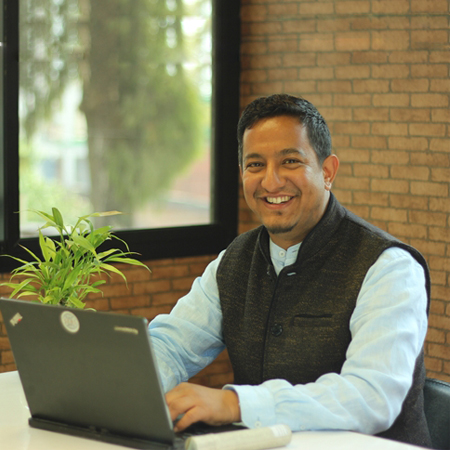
(379, 73)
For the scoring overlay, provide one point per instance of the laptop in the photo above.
(89, 374)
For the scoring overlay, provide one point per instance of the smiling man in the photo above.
(323, 315)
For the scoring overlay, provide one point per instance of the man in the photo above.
(324, 316)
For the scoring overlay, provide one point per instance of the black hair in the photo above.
(287, 105)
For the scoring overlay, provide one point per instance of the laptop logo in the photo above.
(70, 322)
(16, 319)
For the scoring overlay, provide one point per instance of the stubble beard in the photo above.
(279, 229)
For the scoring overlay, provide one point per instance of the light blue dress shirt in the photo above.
(388, 328)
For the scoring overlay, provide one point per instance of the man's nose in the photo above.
(273, 179)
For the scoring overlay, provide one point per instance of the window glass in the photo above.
(115, 110)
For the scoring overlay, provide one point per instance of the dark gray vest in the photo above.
(296, 326)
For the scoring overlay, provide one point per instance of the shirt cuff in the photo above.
(256, 404)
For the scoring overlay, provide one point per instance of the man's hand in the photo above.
(199, 403)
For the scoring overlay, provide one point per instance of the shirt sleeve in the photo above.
(388, 328)
(190, 337)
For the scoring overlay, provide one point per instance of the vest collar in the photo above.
(317, 238)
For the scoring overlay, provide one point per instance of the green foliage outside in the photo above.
(143, 110)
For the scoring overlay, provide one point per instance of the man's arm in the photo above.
(190, 337)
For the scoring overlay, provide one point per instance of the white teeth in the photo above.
(278, 200)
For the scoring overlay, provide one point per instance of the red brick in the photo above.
(408, 201)
(288, 9)
(391, 71)
(352, 99)
(407, 230)
(441, 174)
(332, 114)
(352, 7)
(429, 6)
(316, 8)
(424, 129)
(440, 145)
(430, 159)
(371, 198)
(316, 73)
(352, 41)
(391, 186)
(253, 13)
(439, 204)
(390, 129)
(297, 26)
(410, 173)
(316, 42)
(429, 188)
(334, 86)
(440, 85)
(390, 7)
(352, 183)
(296, 59)
(151, 287)
(352, 72)
(281, 74)
(428, 218)
(439, 351)
(415, 85)
(416, 56)
(369, 57)
(389, 214)
(333, 59)
(371, 170)
(391, 100)
(434, 364)
(369, 141)
(301, 87)
(390, 40)
(410, 114)
(407, 143)
(364, 86)
(352, 155)
(429, 70)
(425, 22)
(428, 39)
(439, 234)
(440, 56)
(352, 128)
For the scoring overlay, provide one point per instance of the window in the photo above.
(155, 140)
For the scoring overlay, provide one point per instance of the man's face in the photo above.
(284, 183)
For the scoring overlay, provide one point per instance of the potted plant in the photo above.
(69, 268)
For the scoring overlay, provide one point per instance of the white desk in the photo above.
(16, 434)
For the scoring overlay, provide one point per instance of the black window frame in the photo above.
(158, 243)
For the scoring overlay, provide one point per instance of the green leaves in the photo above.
(67, 272)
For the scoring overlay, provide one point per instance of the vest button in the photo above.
(277, 329)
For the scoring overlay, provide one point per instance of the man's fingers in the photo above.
(195, 403)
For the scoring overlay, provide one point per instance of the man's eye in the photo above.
(291, 161)
(253, 165)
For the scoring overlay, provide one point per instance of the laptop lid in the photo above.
(86, 372)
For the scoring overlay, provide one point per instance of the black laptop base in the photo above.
(103, 435)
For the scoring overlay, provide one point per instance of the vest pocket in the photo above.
(313, 320)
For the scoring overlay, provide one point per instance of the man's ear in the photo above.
(329, 168)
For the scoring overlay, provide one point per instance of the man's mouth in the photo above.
(277, 200)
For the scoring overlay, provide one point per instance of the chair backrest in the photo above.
(437, 411)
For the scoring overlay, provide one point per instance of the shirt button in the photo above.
(277, 329)
(282, 254)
